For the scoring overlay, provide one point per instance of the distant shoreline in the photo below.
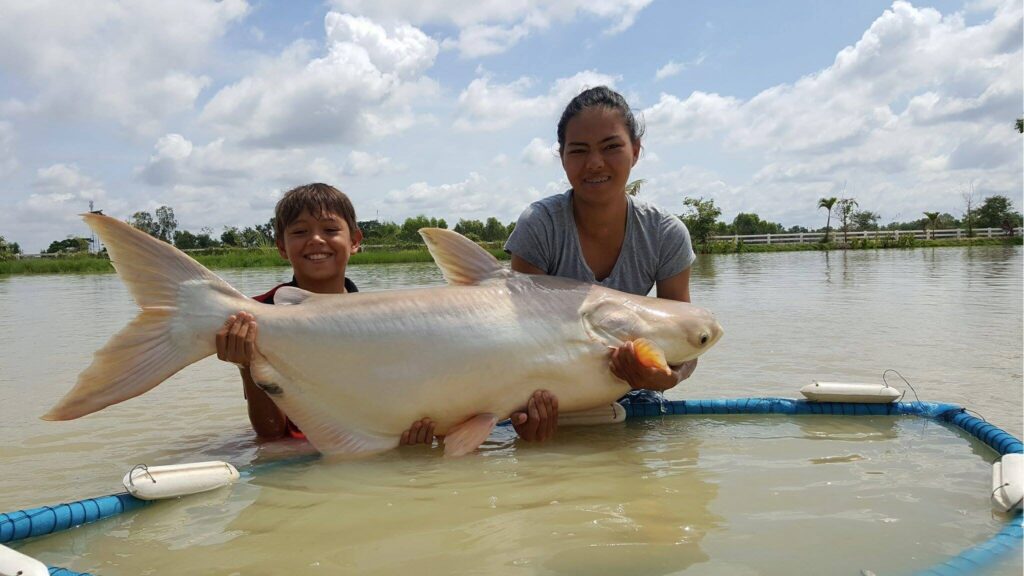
(269, 258)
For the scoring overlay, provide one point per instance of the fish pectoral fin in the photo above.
(263, 374)
(460, 259)
(650, 355)
(468, 436)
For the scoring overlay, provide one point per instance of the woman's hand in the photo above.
(540, 420)
(236, 340)
(625, 365)
(421, 432)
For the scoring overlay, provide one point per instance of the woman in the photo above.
(597, 233)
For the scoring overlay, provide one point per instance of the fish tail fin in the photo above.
(161, 340)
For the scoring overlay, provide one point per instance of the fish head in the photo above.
(680, 330)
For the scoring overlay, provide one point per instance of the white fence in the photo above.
(837, 235)
(795, 238)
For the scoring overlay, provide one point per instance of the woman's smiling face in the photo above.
(598, 154)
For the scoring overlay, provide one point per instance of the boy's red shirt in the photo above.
(268, 298)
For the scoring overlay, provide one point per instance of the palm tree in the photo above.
(827, 203)
(633, 188)
(933, 221)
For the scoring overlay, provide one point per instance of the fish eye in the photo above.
(704, 338)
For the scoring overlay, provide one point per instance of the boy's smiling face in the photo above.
(318, 249)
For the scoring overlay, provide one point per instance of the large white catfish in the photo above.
(353, 371)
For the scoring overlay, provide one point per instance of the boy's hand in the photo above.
(236, 340)
(540, 420)
(625, 365)
(421, 432)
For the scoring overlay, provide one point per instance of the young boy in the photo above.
(315, 229)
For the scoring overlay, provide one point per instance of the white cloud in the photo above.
(67, 181)
(221, 163)
(701, 115)
(668, 189)
(476, 197)
(132, 64)
(366, 164)
(482, 40)
(8, 161)
(362, 88)
(673, 68)
(60, 192)
(540, 153)
(942, 67)
(489, 27)
(484, 105)
(919, 98)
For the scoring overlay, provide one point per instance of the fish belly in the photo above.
(375, 363)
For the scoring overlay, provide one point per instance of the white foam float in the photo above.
(847, 392)
(1008, 482)
(13, 563)
(156, 482)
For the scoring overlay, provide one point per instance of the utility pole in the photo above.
(94, 244)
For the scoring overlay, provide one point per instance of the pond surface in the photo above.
(708, 495)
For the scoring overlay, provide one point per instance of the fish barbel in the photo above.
(354, 370)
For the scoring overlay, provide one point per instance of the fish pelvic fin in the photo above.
(461, 260)
(651, 355)
(183, 304)
(469, 435)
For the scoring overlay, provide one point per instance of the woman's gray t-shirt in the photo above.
(657, 244)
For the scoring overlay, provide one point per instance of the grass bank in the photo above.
(268, 258)
(213, 259)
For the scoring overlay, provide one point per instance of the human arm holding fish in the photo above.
(236, 343)
(625, 363)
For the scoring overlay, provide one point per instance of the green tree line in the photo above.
(701, 216)
(702, 219)
(8, 250)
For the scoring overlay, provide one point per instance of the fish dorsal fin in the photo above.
(290, 296)
(460, 259)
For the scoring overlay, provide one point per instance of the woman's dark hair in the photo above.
(599, 96)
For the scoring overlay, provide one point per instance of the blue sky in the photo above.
(449, 108)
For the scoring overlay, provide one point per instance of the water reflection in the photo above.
(703, 269)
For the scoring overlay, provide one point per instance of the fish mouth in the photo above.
(677, 366)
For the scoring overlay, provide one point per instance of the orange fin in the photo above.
(468, 436)
(650, 355)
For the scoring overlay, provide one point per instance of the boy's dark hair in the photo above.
(319, 199)
(599, 96)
